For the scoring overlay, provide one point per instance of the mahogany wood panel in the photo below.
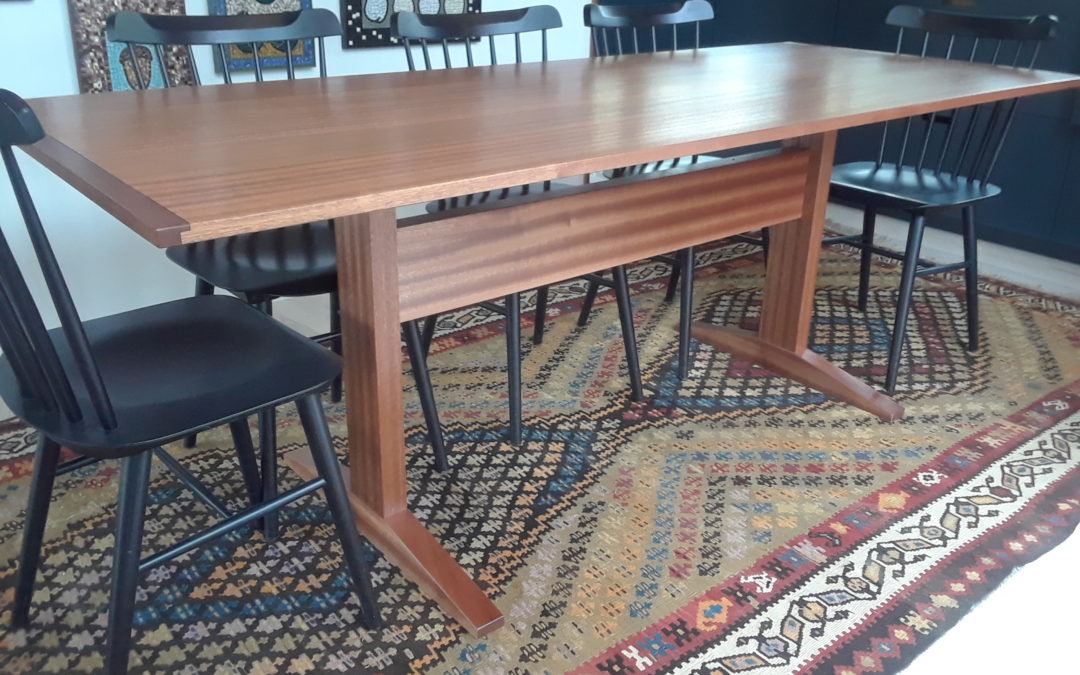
(409, 546)
(371, 347)
(488, 253)
(805, 366)
(788, 302)
(246, 157)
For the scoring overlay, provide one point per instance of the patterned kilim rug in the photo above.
(733, 523)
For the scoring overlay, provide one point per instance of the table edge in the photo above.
(163, 227)
(146, 217)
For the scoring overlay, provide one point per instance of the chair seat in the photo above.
(289, 261)
(177, 368)
(906, 187)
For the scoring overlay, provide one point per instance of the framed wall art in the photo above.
(104, 66)
(367, 22)
(271, 54)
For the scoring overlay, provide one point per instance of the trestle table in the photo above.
(191, 164)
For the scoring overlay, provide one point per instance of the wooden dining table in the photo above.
(191, 164)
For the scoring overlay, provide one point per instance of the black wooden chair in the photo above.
(426, 32)
(631, 28)
(940, 162)
(286, 262)
(122, 386)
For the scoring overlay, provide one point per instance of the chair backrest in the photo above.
(632, 28)
(446, 28)
(964, 142)
(33, 356)
(285, 31)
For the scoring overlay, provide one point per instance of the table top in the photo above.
(190, 164)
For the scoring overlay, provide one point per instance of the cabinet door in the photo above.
(752, 21)
(1066, 232)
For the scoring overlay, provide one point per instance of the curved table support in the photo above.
(371, 341)
(782, 341)
(408, 545)
(806, 367)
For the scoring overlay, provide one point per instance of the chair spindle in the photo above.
(30, 318)
(194, 67)
(257, 60)
(427, 56)
(163, 66)
(226, 72)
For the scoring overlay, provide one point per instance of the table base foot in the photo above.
(409, 546)
(807, 367)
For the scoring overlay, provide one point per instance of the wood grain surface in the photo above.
(225, 160)
(371, 347)
(504, 248)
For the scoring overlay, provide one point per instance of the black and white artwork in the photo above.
(367, 22)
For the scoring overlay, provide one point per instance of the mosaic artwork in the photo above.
(271, 54)
(106, 66)
(732, 523)
(367, 22)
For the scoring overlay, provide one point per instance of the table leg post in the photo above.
(794, 251)
(781, 343)
(371, 344)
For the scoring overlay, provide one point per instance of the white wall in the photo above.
(108, 267)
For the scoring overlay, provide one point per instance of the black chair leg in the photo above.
(415, 348)
(245, 452)
(335, 344)
(269, 461)
(765, 240)
(268, 444)
(672, 283)
(686, 309)
(626, 320)
(313, 419)
(865, 255)
(909, 265)
(513, 363)
(202, 287)
(131, 510)
(586, 305)
(429, 333)
(971, 276)
(541, 315)
(37, 513)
